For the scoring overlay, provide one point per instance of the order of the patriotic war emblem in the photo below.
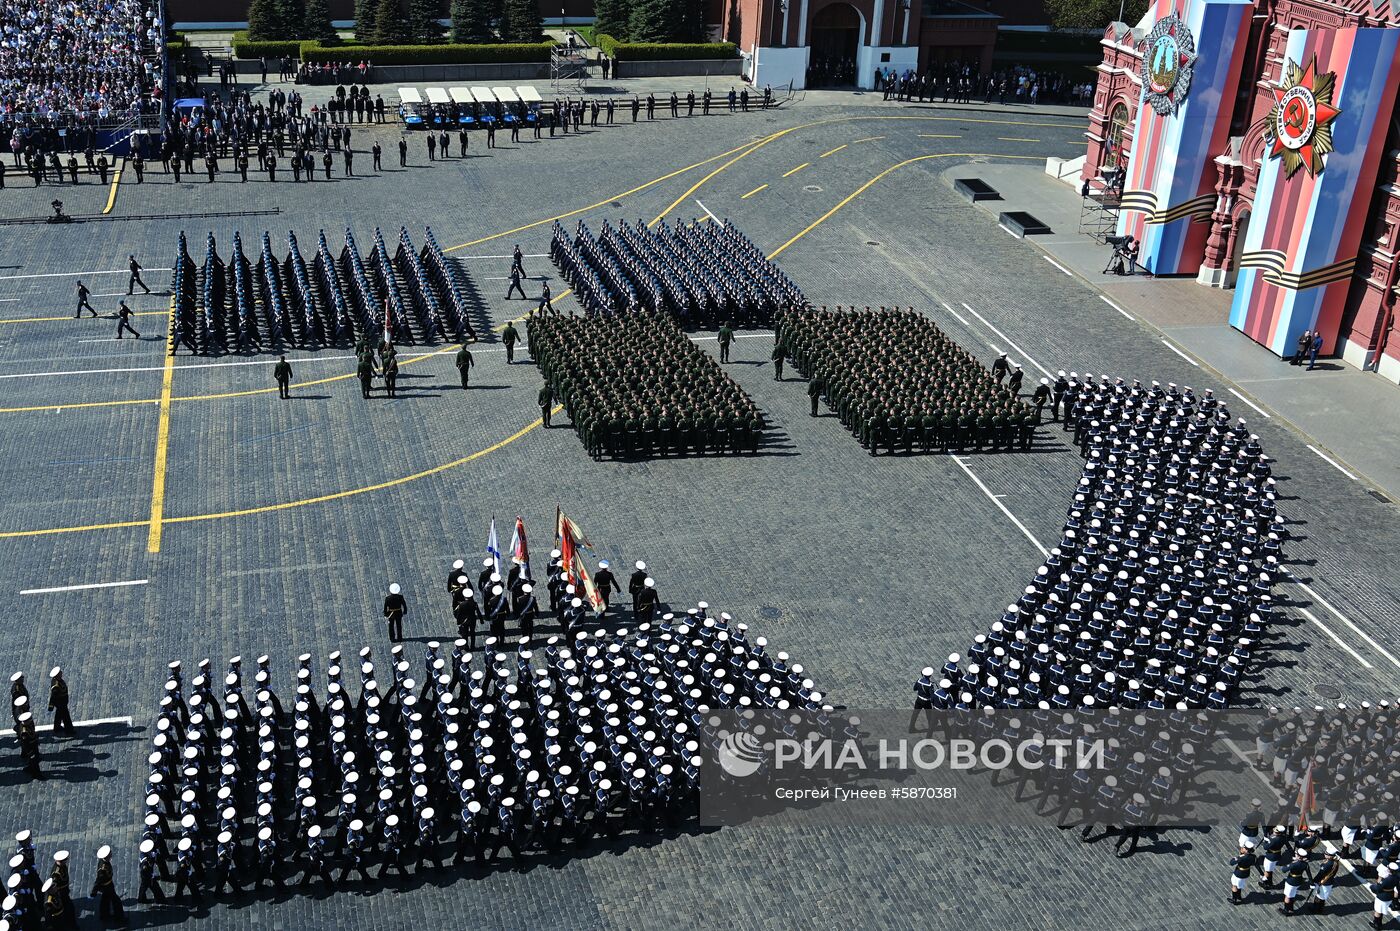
(1167, 64)
(1300, 124)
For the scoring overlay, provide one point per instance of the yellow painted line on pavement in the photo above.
(867, 185)
(162, 441)
(797, 169)
(1015, 139)
(136, 313)
(378, 486)
(938, 136)
(286, 505)
(754, 147)
(112, 194)
(834, 151)
(753, 192)
(602, 203)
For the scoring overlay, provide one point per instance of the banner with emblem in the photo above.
(572, 542)
(1192, 58)
(1334, 92)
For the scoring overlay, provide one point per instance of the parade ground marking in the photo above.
(83, 588)
(1025, 355)
(114, 271)
(1115, 307)
(938, 136)
(709, 213)
(753, 192)
(112, 194)
(796, 170)
(833, 151)
(1180, 353)
(1058, 265)
(1246, 400)
(162, 442)
(888, 171)
(996, 499)
(1015, 139)
(1332, 462)
(95, 722)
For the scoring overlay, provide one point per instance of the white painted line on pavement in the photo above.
(1025, 355)
(41, 728)
(956, 314)
(1339, 641)
(997, 501)
(79, 588)
(707, 211)
(1251, 403)
(1345, 620)
(1180, 353)
(525, 255)
(1115, 307)
(1058, 265)
(9, 300)
(115, 271)
(1332, 462)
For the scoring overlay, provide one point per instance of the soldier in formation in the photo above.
(519, 748)
(607, 372)
(899, 383)
(1158, 591)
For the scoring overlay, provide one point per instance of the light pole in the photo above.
(782, 39)
(905, 4)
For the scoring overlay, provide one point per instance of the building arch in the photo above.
(835, 34)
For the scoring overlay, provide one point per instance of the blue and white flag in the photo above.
(493, 549)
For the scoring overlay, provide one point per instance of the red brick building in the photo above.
(1364, 335)
(843, 42)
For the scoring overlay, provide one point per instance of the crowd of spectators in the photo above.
(78, 63)
(964, 83)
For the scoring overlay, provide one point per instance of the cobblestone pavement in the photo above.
(282, 522)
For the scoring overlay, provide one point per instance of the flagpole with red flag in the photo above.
(571, 540)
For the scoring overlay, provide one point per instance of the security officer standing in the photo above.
(403, 153)
(464, 364)
(816, 385)
(778, 355)
(394, 609)
(377, 154)
(282, 371)
(58, 703)
(726, 336)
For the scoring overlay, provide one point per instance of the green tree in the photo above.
(655, 20)
(388, 23)
(611, 17)
(521, 21)
(1092, 14)
(293, 16)
(692, 27)
(422, 26)
(265, 23)
(364, 20)
(471, 21)
(318, 22)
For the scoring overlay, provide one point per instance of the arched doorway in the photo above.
(835, 39)
(1113, 155)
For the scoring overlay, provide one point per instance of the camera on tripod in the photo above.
(1116, 241)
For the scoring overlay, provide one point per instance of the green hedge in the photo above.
(175, 47)
(243, 47)
(666, 51)
(430, 54)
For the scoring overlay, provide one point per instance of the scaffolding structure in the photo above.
(1099, 209)
(568, 70)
